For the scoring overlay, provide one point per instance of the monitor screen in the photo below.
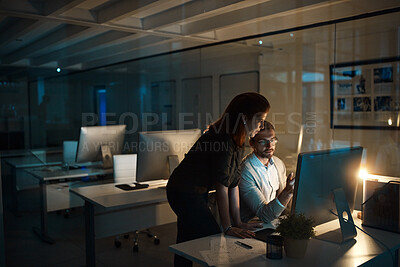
(69, 151)
(92, 138)
(318, 174)
(155, 148)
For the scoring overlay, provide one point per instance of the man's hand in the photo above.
(286, 195)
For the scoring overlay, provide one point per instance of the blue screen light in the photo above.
(312, 77)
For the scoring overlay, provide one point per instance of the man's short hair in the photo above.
(267, 127)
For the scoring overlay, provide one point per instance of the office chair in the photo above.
(125, 173)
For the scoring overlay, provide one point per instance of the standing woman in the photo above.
(213, 163)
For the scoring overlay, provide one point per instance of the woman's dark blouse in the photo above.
(213, 158)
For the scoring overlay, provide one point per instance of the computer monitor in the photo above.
(69, 152)
(324, 179)
(159, 152)
(100, 143)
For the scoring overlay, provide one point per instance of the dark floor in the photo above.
(24, 248)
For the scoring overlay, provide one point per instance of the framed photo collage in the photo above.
(366, 95)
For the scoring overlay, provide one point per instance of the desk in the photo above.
(111, 211)
(18, 164)
(46, 177)
(319, 253)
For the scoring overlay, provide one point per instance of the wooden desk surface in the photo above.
(319, 253)
(110, 196)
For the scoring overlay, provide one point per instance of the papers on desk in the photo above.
(223, 250)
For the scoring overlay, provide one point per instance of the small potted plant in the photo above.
(296, 229)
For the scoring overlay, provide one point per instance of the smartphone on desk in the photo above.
(263, 234)
(134, 186)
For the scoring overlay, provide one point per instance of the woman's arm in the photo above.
(234, 205)
(224, 202)
(223, 205)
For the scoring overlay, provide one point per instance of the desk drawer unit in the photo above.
(131, 219)
(59, 197)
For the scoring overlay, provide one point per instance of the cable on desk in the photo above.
(376, 239)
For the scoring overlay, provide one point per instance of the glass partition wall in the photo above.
(329, 86)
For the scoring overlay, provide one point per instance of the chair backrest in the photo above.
(69, 151)
(125, 168)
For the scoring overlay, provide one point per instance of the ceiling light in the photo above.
(58, 70)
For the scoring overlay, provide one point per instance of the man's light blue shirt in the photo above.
(259, 188)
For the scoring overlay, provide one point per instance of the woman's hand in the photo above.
(242, 233)
(250, 226)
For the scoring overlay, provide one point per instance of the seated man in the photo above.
(264, 190)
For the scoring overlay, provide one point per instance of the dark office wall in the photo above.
(53, 110)
(14, 115)
(196, 102)
(2, 248)
(54, 107)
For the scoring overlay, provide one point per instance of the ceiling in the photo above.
(38, 36)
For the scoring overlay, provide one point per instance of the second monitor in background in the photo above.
(159, 152)
(69, 152)
(100, 143)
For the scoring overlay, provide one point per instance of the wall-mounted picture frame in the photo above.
(366, 94)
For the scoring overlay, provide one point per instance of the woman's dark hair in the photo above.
(231, 121)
